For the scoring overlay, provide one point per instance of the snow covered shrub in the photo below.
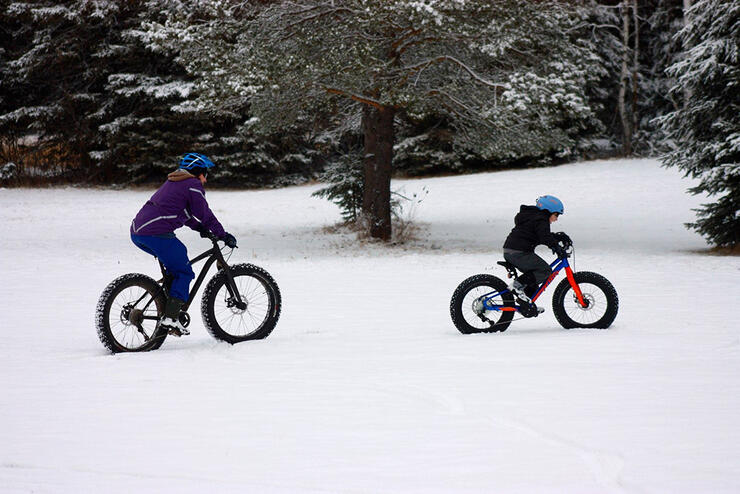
(345, 190)
(404, 208)
(8, 171)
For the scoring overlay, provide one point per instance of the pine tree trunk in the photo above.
(635, 67)
(377, 125)
(624, 81)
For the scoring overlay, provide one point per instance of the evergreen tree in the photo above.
(49, 83)
(706, 128)
(505, 72)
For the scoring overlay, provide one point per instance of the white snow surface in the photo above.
(365, 386)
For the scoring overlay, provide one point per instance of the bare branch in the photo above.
(356, 97)
(448, 58)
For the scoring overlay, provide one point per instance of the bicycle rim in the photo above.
(243, 322)
(472, 305)
(598, 304)
(133, 325)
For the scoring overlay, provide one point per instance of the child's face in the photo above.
(554, 217)
(203, 180)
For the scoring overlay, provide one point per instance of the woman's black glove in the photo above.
(229, 240)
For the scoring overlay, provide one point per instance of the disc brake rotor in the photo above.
(236, 307)
(588, 298)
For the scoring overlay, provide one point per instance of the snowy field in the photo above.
(365, 386)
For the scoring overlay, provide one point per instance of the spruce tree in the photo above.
(706, 128)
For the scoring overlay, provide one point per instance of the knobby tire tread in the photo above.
(211, 291)
(102, 312)
(459, 295)
(558, 301)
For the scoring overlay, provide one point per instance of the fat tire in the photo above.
(612, 301)
(218, 281)
(105, 302)
(456, 304)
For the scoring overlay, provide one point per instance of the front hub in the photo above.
(588, 299)
(235, 306)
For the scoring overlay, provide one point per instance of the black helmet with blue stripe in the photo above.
(196, 163)
(551, 204)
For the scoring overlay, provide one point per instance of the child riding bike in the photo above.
(181, 200)
(532, 228)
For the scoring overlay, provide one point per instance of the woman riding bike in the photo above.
(181, 200)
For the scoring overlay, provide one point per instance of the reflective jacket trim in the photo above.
(191, 216)
(199, 192)
(152, 221)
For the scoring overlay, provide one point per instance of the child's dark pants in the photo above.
(535, 269)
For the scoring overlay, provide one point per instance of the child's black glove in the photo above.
(229, 240)
(204, 233)
(563, 238)
(559, 251)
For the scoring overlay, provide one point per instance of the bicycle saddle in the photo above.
(507, 265)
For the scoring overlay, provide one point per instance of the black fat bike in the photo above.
(240, 303)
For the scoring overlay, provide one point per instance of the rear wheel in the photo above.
(127, 314)
(252, 318)
(467, 307)
(601, 299)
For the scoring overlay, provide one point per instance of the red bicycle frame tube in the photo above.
(557, 266)
(576, 288)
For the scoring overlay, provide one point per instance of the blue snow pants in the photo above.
(174, 255)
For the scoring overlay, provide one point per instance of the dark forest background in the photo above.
(113, 93)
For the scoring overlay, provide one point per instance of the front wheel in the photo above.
(253, 317)
(468, 305)
(127, 314)
(600, 296)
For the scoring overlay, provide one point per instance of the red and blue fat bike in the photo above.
(484, 303)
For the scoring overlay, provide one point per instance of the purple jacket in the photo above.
(180, 201)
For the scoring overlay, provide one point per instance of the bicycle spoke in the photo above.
(593, 312)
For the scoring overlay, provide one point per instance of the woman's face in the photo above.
(554, 217)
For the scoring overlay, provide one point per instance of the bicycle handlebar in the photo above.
(213, 238)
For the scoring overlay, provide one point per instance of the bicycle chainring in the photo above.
(528, 310)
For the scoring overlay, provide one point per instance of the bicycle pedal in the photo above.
(178, 332)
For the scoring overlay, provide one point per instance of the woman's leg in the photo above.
(174, 256)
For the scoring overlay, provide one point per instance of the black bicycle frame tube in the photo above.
(212, 255)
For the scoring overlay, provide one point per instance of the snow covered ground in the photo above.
(365, 386)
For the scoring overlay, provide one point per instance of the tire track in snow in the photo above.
(606, 467)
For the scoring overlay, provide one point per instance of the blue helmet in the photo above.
(550, 203)
(196, 162)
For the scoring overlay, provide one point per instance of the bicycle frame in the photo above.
(212, 255)
(557, 265)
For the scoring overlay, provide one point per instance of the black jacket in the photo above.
(531, 228)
